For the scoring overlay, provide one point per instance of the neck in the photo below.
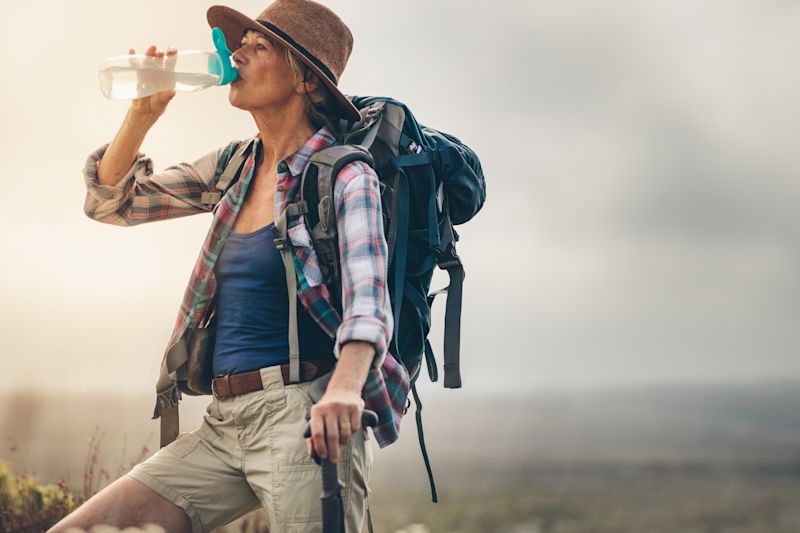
(283, 131)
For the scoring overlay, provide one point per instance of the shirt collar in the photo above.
(296, 162)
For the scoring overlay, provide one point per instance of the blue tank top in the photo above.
(252, 313)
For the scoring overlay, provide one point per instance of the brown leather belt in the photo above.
(235, 384)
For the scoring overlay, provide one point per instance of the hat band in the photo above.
(308, 55)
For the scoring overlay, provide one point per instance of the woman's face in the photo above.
(266, 80)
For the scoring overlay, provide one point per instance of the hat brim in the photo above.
(233, 25)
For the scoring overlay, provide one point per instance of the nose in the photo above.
(239, 55)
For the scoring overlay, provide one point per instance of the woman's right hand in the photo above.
(151, 107)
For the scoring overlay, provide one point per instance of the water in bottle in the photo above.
(138, 75)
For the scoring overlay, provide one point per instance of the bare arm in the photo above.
(342, 402)
(144, 112)
(355, 361)
(123, 149)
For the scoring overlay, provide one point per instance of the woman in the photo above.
(249, 450)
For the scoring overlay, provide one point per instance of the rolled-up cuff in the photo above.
(366, 329)
(141, 167)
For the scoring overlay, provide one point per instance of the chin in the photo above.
(235, 100)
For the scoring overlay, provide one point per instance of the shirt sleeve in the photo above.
(366, 309)
(144, 196)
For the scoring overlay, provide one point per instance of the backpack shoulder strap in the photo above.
(240, 152)
(316, 191)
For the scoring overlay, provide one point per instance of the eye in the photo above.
(260, 46)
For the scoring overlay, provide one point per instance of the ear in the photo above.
(310, 84)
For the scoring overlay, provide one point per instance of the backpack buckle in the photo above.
(278, 239)
(297, 209)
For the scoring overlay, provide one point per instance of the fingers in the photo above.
(317, 439)
(332, 426)
(156, 52)
(355, 420)
(332, 433)
(172, 57)
(153, 51)
(324, 435)
(345, 429)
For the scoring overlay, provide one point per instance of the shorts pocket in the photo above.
(296, 493)
(212, 409)
(184, 444)
(300, 395)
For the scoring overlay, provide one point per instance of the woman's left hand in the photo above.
(334, 419)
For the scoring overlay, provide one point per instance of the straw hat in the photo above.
(320, 38)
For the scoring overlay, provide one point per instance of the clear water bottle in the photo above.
(138, 75)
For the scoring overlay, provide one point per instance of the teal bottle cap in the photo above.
(228, 72)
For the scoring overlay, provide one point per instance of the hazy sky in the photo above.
(641, 223)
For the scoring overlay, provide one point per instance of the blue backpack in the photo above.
(430, 181)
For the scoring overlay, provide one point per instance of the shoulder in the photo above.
(355, 183)
(355, 171)
(356, 174)
(223, 155)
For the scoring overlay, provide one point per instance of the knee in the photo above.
(126, 503)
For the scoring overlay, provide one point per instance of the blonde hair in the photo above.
(321, 105)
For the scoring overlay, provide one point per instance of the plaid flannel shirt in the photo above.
(144, 196)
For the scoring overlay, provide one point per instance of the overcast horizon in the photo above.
(641, 223)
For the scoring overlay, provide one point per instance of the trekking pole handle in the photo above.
(369, 418)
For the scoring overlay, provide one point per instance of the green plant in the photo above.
(27, 506)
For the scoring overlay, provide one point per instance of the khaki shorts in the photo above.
(248, 452)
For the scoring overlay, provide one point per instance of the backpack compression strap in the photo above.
(448, 260)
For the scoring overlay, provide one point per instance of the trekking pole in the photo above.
(332, 509)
